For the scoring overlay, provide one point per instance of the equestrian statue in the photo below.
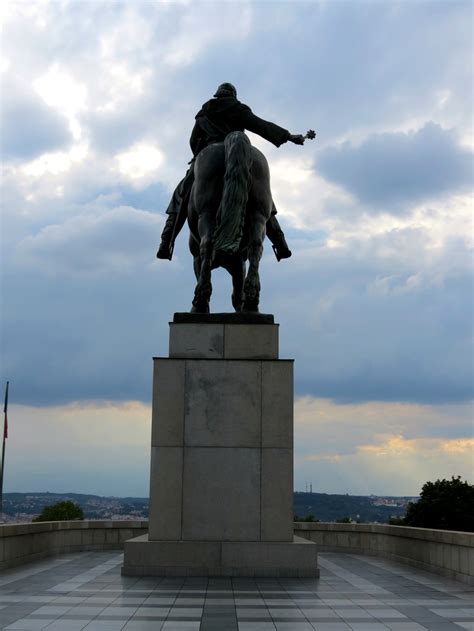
(226, 198)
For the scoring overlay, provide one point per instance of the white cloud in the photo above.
(231, 23)
(55, 163)
(62, 92)
(141, 161)
(301, 195)
(12, 9)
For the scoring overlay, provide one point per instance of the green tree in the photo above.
(344, 520)
(61, 511)
(444, 504)
(310, 518)
(397, 521)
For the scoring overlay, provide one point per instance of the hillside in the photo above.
(326, 507)
(323, 506)
(94, 506)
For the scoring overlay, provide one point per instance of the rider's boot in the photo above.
(164, 251)
(276, 236)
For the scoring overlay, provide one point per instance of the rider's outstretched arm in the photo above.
(273, 133)
(298, 139)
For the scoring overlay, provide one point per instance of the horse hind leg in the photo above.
(203, 291)
(194, 249)
(252, 281)
(238, 275)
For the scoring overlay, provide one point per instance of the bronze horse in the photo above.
(229, 206)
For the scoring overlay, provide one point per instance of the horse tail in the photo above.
(231, 213)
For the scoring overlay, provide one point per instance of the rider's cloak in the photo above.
(217, 118)
(220, 116)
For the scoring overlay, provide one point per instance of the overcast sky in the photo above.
(98, 102)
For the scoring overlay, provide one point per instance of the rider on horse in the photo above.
(216, 119)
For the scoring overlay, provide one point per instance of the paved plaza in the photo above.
(86, 591)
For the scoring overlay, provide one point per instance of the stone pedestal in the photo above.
(221, 491)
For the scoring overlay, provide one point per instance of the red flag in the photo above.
(5, 421)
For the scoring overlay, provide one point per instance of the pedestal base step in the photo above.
(297, 558)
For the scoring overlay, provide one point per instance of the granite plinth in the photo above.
(224, 318)
(144, 557)
(221, 486)
(222, 339)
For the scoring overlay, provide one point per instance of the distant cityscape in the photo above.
(23, 507)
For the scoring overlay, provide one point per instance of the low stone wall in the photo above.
(22, 543)
(441, 551)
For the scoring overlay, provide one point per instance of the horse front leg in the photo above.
(252, 281)
(194, 249)
(203, 291)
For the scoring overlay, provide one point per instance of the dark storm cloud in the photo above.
(101, 304)
(87, 304)
(90, 337)
(29, 127)
(395, 168)
(343, 67)
(372, 328)
(154, 197)
(92, 244)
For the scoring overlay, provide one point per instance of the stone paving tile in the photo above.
(442, 626)
(159, 600)
(85, 610)
(331, 626)
(85, 591)
(319, 612)
(385, 614)
(28, 624)
(118, 612)
(453, 614)
(103, 625)
(368, 626)
(67, 625)
(405, 626)
(152, 611)
(248, 612)
(256, 626)
(190, 612)
(142, 625)
(294, 626)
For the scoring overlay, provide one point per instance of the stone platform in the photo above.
(221, 490)
(145, 557)
(86, 591)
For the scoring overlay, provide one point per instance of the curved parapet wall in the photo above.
(22, 543)
(444, 552)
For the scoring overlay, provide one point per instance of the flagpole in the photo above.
(5, 430)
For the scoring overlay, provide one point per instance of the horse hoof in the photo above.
(198, 309)
(250, 308)
(237, 306)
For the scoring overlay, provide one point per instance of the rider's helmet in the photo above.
(226, 89)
